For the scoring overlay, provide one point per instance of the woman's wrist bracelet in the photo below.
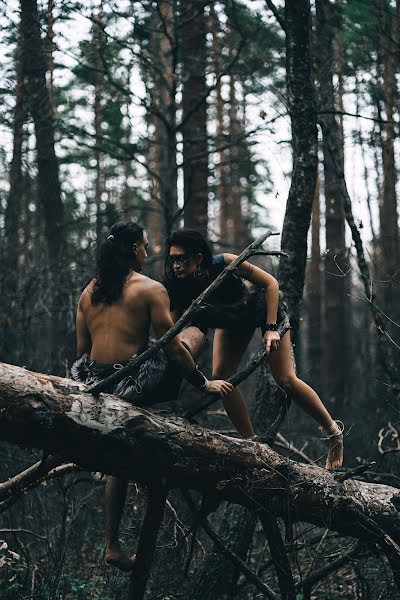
(271, 327)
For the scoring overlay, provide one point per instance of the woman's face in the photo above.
(184, 263)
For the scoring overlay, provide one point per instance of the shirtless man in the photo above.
(114, 315)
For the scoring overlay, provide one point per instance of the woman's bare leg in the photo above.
(285, 376)
(228, 349)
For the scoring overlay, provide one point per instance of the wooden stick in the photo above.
(182, 322)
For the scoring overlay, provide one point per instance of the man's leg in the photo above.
(194, 340)
(115, 496)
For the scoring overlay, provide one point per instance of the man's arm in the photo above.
(162, 321)
(83, 339)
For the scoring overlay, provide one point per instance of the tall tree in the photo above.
(98, 58)
(14, 200)
(35, 66)
(194, 118)
(314, 293)
(332, 145)
(388, 21)
(301, 102)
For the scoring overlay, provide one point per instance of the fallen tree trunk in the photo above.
(110, 435)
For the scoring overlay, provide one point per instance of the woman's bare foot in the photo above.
(334, 460)
(116, 557)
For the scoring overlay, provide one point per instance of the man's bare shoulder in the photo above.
(86, 295)
(148, 287)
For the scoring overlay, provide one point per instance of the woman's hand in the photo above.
(220, 387)
(272, 340)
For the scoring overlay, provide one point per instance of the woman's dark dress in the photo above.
(232, 306)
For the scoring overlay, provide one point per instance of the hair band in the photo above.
(111, 237)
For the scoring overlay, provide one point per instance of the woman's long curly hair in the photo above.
(115, 261)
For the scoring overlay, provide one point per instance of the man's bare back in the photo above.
(117, 332)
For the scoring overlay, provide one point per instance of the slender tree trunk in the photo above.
(305, 161)
(166, 90)
(12, 224)
(161, 152)
(234, 200)
(14, 200)
(389, 41)
(35, 65)
(194, 130)
(50, 53)
(98, 46)
(335, 291)
(223, 168)
(315, 291)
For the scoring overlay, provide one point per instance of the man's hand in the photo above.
(272, 340)
(220, 387)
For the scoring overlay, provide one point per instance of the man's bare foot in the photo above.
(120, 559)
(334, 460)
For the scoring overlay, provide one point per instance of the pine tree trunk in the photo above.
(98, 123)
(314, 295)
(305, 162)
(14, 200)
(50, 53)
(223, 168)
(161, 150)
(235, 217)
(389, 41)
(335, 291)
(35, 65)
(12, 224)
(194, 118)
(166, 91)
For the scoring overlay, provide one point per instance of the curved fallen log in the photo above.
(110, 435)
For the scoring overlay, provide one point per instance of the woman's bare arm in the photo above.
(261, 279)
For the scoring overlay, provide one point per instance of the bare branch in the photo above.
(234, 558)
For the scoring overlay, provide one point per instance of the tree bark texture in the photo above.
(194, 130)
(389, 42)
(300, 94)
(35, 66)
(335, 263)
(109, 435)
(98, 49)
(314, 293)
(14, 200)
(165, 104)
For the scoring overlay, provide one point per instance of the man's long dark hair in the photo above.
(115, 260)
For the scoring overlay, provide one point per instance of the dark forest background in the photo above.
(165, 112)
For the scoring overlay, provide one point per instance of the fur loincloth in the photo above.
(157, 380)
